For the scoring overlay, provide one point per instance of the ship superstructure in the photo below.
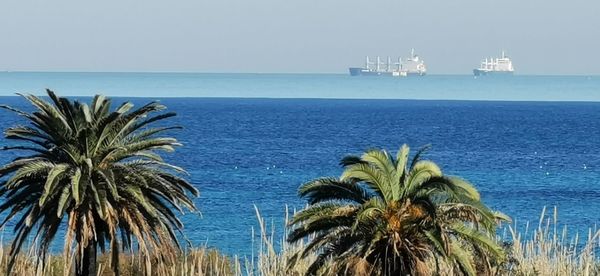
(495, 66)
(401, 68)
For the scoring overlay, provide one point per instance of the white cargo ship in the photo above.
(495, 66)
(412, 66)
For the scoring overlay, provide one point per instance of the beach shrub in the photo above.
(395, 216)
(98, 172)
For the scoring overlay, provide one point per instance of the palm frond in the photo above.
(463, 259)
(371, 176)
(326, 189)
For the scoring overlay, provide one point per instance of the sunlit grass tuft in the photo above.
(551, 251)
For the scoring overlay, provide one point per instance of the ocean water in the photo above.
(246, 152)
(434, 87)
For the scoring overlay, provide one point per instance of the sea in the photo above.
(250, 140)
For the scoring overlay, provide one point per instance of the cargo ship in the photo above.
(413, 66)
(495, 66)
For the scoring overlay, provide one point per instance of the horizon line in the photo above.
(270, 73)
(324, 99)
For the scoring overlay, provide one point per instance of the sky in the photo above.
(554, 37)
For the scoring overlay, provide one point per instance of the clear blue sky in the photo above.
(542, 36)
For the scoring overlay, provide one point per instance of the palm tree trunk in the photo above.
(88, 261)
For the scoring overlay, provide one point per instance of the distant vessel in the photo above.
(409, 67)
(495, 66)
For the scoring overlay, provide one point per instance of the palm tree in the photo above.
(386, 216)
(97, 173)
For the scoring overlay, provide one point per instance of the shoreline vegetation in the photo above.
(549, 250)
(100, 173)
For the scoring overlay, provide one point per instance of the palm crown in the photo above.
(97, 172)
(386, 216)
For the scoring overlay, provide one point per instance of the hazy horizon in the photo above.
(340, 86)
(345, 72)
(271, 36)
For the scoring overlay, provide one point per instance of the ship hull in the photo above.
(354, 71)
(364, 72)
(418, 74)
(479, 72)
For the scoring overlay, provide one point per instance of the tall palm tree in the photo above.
(389, 216)
(98, 173)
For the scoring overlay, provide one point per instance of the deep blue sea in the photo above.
(241, 152)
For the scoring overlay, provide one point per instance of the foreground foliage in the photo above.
(550, 251)
(97, 171)
(393, 216)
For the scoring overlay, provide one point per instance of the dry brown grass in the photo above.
(196, 262)
(549, 251)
